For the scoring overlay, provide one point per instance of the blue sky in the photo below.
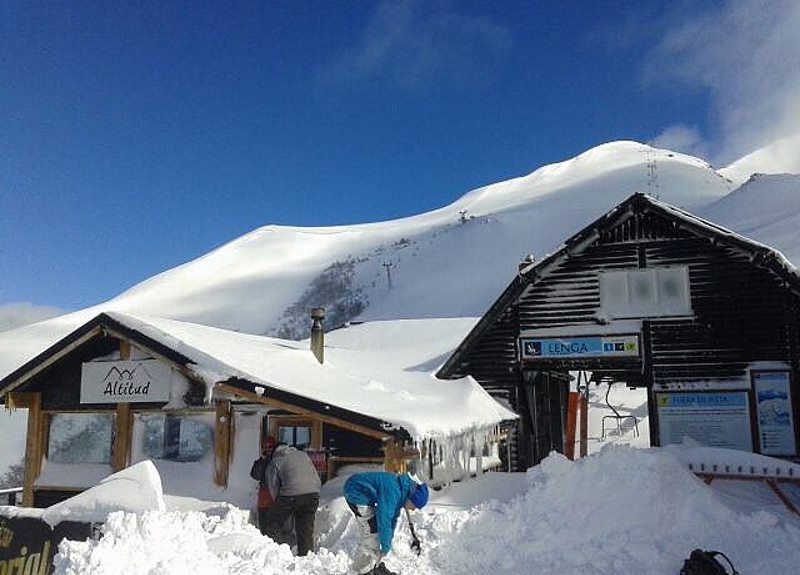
(137, 136)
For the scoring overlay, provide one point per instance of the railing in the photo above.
(10, 496)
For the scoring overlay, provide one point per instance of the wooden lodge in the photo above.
(648, 296)
(120, 389)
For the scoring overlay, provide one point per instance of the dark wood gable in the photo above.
(744, 300)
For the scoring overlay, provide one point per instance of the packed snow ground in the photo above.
(621, 510)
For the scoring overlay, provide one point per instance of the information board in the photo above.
(716, 419)
(774, 407)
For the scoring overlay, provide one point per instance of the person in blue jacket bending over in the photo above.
(376, 498)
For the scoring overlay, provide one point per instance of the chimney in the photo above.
(318, 333)
(526, 261)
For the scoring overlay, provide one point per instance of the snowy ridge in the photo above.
(422, 266)
(777, 218)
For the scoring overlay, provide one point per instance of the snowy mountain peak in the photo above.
(450, 262)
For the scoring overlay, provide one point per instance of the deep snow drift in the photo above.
(622, 510)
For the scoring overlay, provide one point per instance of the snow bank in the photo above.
(622, 510)
(178, 543)
(135, 489)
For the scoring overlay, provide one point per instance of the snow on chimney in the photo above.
(318, 333)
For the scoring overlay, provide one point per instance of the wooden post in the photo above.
(584, 401)
(33, 444)
(122, 437)
(396, 456)
(222, 443)
(124, 423)
(393, 459)
(572, 422)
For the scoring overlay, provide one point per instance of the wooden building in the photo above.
(648, 296)
(195, 400)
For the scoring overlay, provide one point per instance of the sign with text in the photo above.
(28, 544)
(591, 346)
(715, 419)
(774, 408)
(140, 381)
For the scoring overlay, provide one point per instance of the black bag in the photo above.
(258, 471)
(706, 563)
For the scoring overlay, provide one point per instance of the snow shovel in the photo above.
(415, 544)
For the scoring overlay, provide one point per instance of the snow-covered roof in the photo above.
(761, 255)
(383, 370)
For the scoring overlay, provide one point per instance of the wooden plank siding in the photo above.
(744, 304)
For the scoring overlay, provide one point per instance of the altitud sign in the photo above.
(140, 381)
(592, 346)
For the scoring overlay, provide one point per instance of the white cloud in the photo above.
(745, 54)
(18, 314)
(413, 44)
(682, 138)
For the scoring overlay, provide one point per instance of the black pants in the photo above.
(262, 519)
(303, 508)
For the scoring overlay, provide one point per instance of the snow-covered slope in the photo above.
(766, 209)
(451, 262)
(778, 157)
(249, 283)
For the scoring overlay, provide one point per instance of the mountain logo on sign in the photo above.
(127, 381)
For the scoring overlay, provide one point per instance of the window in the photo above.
(649, 292)
(172, 437)
(80, 437)
(297, 435)
(297, 431)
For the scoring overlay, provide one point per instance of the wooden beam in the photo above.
(584, 402)
(572, 422)
(33, 446)
(255, 398)
(122, 437)
(17, 400)
(123, 426)
(396, 456)
(54, 358)
(782, 496)
(222, 443)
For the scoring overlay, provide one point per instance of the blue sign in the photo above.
(593, 346)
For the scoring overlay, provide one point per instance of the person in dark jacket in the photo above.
(294, 485)
(258, 472)
(376, 499)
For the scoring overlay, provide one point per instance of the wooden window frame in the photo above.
(275, 421)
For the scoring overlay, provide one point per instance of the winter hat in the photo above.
(419, 495)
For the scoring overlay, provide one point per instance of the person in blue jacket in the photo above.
(376, 498)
